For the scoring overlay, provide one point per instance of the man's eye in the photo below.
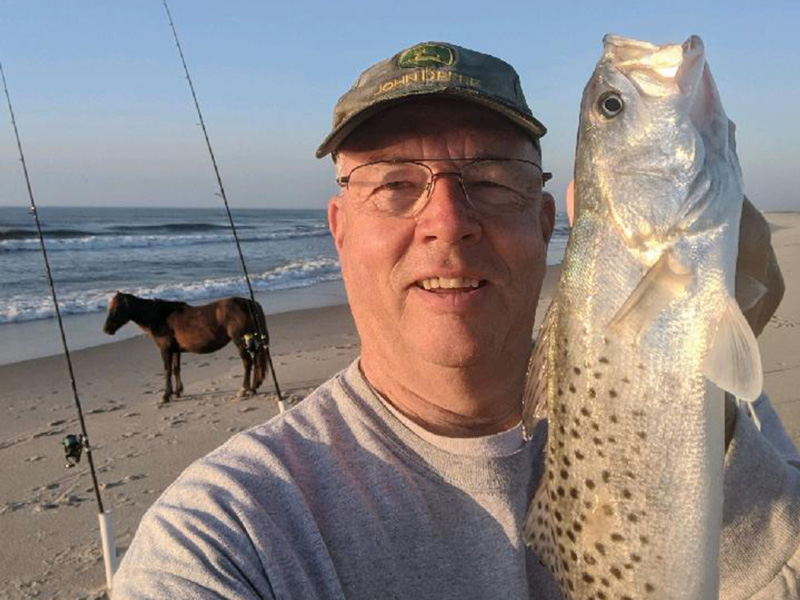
(395, 186)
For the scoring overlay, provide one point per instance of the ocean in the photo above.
(173, 253)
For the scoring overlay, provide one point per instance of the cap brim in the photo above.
(331, 143)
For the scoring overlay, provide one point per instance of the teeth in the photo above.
(449, 283)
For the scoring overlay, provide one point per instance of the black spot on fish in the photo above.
(577, 422)
(587, 578)
(615, 571)
(561, 430)
(559, 531)
(571, 586)
(613, 419)
(585, 411)
(607, 510)
(601, 595)
(600, 548)
(605, 582)
(626, 493)
(597, 441)
(576, 370)
(595, 426)
(644, 539)
(587, 504)
(560, 492)
(558, 516)
(606, 476)
(590, 484)
(574, 433)
(589, 559)
(625, 380)
(567, 461)
(612, 439)
(613, 393)
(550, 475)
(640, 366)
(616, 537)
(601, 454)
(628, 566)
(649, 588)
(560, 392)
(577, 527)
(642, 435)
(572, 388)
(573, 493)
(592, 393)
(603, 360)
(633, 518)
(573, 555)
(564, 473)
(579, 455)
(571, 536)
(630, 475)
(597, 375)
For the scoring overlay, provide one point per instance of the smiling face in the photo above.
(448, 287)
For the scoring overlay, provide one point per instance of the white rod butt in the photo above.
(109, 547)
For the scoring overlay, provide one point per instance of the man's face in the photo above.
(386, 259)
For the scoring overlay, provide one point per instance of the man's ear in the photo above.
(547, 216)
(336, 221)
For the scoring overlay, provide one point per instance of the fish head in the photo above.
(651, 121)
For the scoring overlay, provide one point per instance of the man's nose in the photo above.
(447, 215)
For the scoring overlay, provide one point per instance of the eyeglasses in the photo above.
(401, 188)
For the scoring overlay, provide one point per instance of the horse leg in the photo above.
(166, 355)
(247, 362)
(176, 371)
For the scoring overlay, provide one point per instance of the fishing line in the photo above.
(73, 445)
(262, 336)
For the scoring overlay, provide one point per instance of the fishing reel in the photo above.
(73, 448)
(253, 342)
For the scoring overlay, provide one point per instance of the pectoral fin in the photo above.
(665, 281)
(734, 362)
(749, 291)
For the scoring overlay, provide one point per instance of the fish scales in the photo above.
(630, 503)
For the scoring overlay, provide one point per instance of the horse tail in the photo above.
(260, 365)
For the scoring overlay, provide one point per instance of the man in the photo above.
(406, 475)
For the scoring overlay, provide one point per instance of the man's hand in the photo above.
(756, 261)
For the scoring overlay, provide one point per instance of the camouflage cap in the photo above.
(427, 69)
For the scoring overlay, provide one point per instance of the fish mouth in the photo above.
(441, 284)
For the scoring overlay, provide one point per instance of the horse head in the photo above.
(118, 313)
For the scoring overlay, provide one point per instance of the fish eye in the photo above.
(610, 104)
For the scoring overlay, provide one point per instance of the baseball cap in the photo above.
(432, 68)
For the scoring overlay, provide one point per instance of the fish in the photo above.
(644, 336)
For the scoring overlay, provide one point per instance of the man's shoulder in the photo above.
(287, 446)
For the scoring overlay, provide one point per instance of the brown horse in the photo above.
(178, 327)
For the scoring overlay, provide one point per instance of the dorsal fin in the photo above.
(534, 401)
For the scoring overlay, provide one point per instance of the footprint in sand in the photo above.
(780, 322)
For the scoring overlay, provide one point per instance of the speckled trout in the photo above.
(643, 337)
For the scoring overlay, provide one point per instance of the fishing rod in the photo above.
(262, 338)
(74, 445)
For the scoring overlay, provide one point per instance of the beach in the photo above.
(48, 513)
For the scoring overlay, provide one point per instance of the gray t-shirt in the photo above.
(337, 498)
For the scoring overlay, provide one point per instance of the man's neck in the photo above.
(456, 402)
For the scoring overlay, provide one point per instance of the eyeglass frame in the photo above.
(343, 181)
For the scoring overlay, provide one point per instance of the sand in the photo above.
(48, 513)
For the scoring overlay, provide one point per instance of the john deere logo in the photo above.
(427, 55)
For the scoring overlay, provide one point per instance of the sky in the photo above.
(107, 119)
